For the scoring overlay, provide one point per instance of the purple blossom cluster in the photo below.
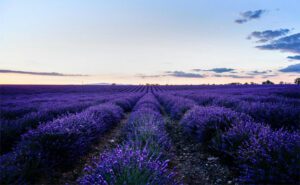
(11, 130)
(142, 159)
(277, 115)
(270, 157)
(129, 166)
(208, 123)
(176, 106)
(145, 127)
(57, 144)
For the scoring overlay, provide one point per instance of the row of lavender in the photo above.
(25, 116)
(55, 145)
(260, 154)
(142, 158)
(14, 106)
(22, 112)
(277, 111)
(17, 90)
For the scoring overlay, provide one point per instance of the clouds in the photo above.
(213, 73)
(297, 57)
(179, 74)
(268, 35)
(289, 43)
(184, 74)
(291, 69)
(273, 39)
(259, 72)
(270, 75)
(39, 73)
(217, 70)
(233, 76)
(221, 70)
(250, 15)
(148, 76)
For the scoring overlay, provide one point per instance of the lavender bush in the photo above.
(145, 127)
(125, 165)
(208, 123)
(176, 106)
(236, 136)
(276, 114)
(271, 157)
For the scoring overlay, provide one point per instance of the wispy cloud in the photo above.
(233, 76)
(180, 74)
(291, 69)
(270, 75)
(289, 43)
(250, 15)
(259, 72)
(39, 73)
(184, 74)
(148, 76)
(297, 57)
(216, 70)
(268, 35)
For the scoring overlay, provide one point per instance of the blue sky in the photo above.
(143, 41)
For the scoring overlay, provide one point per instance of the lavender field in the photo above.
(150, 134)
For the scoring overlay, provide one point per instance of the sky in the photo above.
(149, 41)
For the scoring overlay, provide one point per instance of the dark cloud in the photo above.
(148, 76)
(216, 70)
(184, 74)
(241, 21)
(291, 69)
(297, 57)
(39, 73)
(197, 70)
(288, 44)
(249, 15)
(232, 76)
(268, 35)
(268, 76)
(259, 72)
(221, 70)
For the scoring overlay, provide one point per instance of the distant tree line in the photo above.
(267, 82)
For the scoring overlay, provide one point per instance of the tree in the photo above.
(268, 82)
(297, 81)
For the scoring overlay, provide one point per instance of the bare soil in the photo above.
(193, 163)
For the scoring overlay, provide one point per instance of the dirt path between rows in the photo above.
(193, 164)
(109, 141)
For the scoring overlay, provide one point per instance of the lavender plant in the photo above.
(208, 123)
(125, 165)
(271, 157)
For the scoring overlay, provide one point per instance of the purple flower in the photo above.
(125, 165)
(208, 123)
